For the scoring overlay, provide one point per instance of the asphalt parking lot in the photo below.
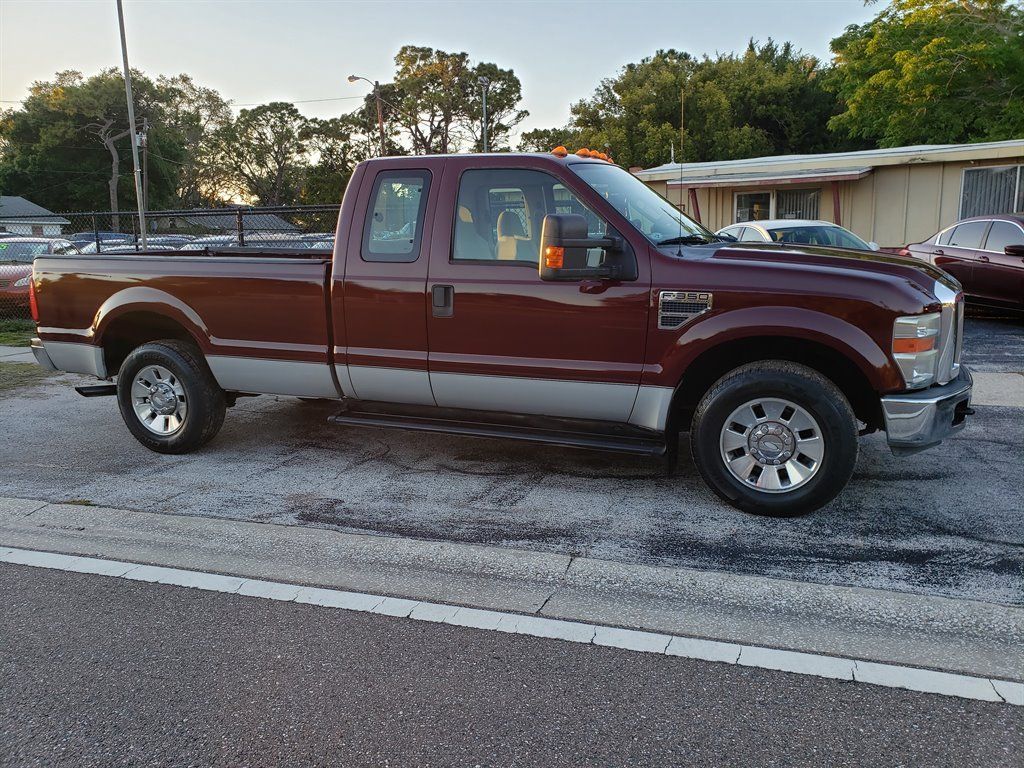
(946, 522)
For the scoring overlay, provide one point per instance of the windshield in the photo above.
(818, 235)
(648, 211)
(21, 252)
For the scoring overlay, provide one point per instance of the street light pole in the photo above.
(131, 124)
(380, 108)
(484, 82)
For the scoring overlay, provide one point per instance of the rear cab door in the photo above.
(500, 338)
(380, 331)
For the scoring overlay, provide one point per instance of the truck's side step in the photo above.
(625, 441)
(97, 390)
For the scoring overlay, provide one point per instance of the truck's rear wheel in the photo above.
(168, 398)
(775, 438)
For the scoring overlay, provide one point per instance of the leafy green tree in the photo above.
(546, 139)
(504, 92)
(264, 151)
(193, 114)
(68, 147)
(932, 71)
(435, 100)
(768, 100)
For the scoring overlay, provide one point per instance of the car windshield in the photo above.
(21, 252)
(818, 235)
(649, 212)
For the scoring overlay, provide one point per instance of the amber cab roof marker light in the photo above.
(559, 151)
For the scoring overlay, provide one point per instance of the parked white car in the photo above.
(801, 231)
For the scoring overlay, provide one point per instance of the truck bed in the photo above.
(260, 316)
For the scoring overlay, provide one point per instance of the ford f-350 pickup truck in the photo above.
(553, 298)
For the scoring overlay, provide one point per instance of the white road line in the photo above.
(816, 665)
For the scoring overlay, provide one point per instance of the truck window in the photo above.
(394, 223)
(500, 213)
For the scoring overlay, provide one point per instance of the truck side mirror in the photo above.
(564, 243)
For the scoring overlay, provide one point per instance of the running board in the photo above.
(644, 446)
(97, 390)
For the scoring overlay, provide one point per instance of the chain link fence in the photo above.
(22, 238)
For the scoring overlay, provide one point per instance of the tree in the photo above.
(194, 114)
(546, 139)
(64, 148)
(932, 71)
(769, 100)
(264, 151)
(504, 92)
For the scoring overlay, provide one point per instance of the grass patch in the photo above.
(17, 375)
(16, 333)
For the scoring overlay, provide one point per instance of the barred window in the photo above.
(988, 191)
(797, 204)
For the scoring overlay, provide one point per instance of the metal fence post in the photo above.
(240, 227)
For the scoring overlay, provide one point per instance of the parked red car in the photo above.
(16, 255)
(985, 253)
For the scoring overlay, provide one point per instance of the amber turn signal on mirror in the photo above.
(554, 257)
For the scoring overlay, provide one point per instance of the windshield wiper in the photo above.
(687, 240)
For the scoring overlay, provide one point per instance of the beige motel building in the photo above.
(890, 196)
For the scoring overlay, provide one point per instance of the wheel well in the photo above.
(134, 329)
(710, 366)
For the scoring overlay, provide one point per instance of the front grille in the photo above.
(676, 308)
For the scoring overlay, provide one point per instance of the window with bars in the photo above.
(986, 191)
(797, 204)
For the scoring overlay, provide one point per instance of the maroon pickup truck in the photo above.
(536, 297)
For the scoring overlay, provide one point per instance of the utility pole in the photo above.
(131, 126)
(682, 122)
(144, 143)
(380, 118)
(484, 82)
(380, 108)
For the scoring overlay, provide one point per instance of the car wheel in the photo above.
(775, 438)
(168, 397)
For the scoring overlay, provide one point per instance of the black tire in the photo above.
(205, 399)
(795, 383)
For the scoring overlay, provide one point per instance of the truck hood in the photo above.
(884, 265)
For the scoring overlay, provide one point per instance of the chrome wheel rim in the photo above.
(159, 400)
(772, 445)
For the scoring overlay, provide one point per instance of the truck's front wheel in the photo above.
(168, 397)
(775, 438)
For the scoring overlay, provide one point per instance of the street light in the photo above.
(380, 111)
(484, 82)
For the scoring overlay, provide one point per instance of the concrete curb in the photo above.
(979, 639)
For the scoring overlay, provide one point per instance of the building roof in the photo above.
(802, 176)
(27, 212)
(786, 166)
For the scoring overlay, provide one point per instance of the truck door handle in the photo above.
(442, 300)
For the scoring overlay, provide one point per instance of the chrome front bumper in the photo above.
(918, 420)
(42, 356)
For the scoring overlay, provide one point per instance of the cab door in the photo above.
(500, 338)
(381, 348)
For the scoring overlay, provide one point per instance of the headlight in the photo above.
(23, 283)
(915, 346)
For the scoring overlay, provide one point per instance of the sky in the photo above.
(255, 51)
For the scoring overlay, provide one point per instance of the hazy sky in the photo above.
(255, 51)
